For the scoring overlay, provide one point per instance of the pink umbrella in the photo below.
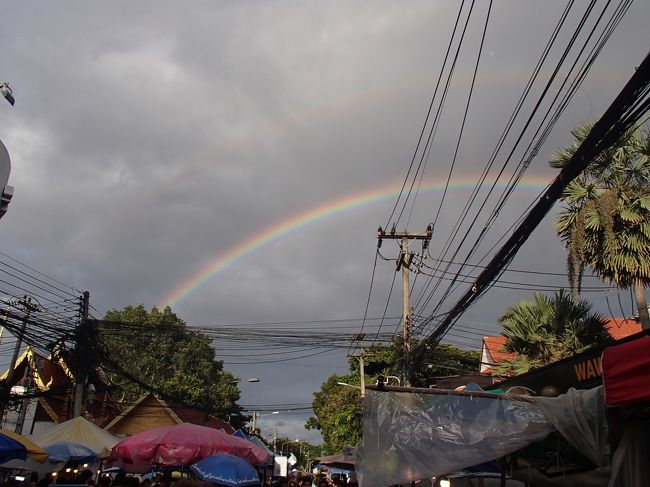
(179, 446)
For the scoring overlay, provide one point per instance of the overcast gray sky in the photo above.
(151, 141)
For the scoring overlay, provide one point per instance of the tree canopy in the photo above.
(549, 329)
(154, 351)
(605, 223)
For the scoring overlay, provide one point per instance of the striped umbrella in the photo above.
(13, 445)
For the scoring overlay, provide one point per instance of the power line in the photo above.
(626, 110)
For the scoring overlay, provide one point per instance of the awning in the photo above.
(626, 372)
(80, 431)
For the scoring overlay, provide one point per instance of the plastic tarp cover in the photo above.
(580, 418)
(630, 465)
(80, 431)
(409, 437)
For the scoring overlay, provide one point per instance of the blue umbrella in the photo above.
(10, 449)
(64, 451)
(225, 469)
(254, 439)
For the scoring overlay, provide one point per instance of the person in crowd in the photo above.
(120, 480)
(84, 476)
(45, 481)
(192, 483)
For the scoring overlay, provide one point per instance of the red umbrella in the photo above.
(179, 446)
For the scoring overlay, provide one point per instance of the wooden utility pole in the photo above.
(26, 302)
(362, 369)
(404, 262)
(206, 398)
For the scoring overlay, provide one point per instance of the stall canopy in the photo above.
(413, 436)
(82, 432)
(180, 445)
(626, 373)
(254, 439)
(15, 446)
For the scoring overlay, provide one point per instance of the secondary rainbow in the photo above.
(277, 231)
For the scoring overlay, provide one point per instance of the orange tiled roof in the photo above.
(620, 327)
(494, 345)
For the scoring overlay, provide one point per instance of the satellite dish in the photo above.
(5, 168)
(5, 165)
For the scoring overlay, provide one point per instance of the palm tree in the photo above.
(605, 224)
(547, 329)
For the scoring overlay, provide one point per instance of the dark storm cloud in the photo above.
(148, 139)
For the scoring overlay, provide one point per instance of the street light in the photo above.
(237, 380)
(257, 416)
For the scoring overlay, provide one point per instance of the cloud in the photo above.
(149, 139)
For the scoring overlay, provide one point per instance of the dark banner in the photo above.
(582, 371)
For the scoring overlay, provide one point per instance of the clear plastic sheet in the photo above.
(579, 416)
(631, 461)
(409, 437)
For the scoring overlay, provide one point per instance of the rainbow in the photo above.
(279, 230)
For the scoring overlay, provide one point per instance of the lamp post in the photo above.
(248, 379)
(256, 417)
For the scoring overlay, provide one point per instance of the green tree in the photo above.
(338, 408)
(547, 329)
(605, 224)
(156, 348)
(338, 411)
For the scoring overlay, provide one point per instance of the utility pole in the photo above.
(403, 263)
(254, 428)
(82, 354)
(362, 372)
(26, 302)
(206, 398)
(24, 405)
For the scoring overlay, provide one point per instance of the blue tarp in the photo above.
(64, 451)
(10, 449)
(257, 441)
